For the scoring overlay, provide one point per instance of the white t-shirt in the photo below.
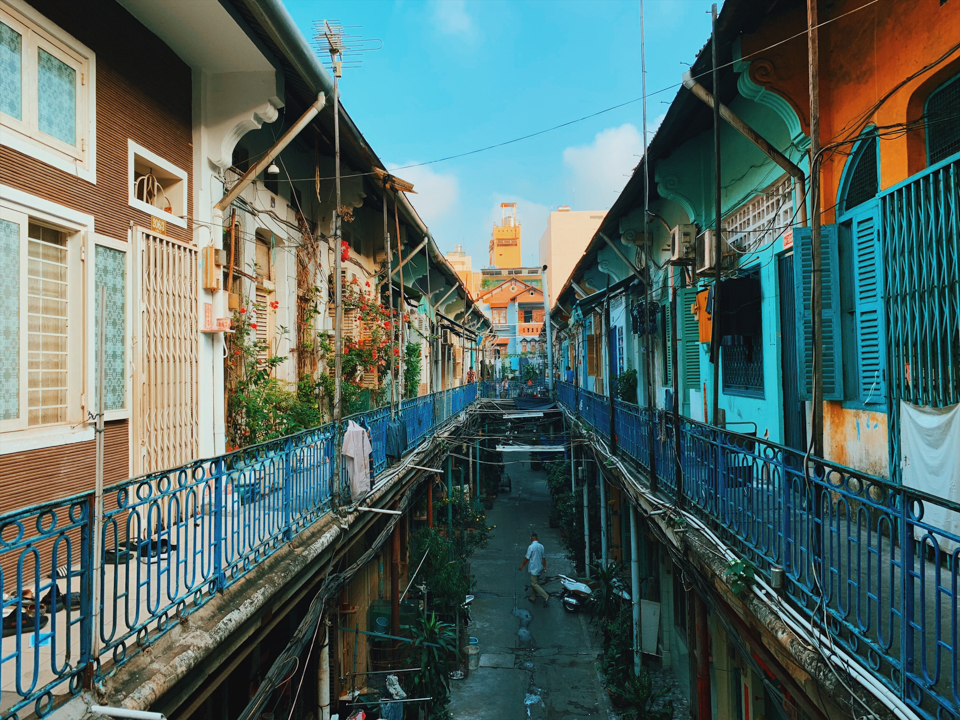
(535, 558)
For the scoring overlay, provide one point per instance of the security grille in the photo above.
(743, 368)
(763, 218)
(167, 415)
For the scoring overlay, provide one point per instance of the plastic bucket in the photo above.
(473, 656)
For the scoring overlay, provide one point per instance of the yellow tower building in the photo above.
(505, 240)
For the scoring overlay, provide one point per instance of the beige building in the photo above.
(463, 264)
(564, 241)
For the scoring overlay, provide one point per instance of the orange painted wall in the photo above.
(863, 58)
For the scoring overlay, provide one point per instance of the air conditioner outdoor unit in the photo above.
(682, 239)
(706, 252)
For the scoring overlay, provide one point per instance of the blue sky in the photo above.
(458, 75)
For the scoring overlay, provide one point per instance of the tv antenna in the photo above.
(342, 46)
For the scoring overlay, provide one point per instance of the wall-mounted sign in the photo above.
(158, 225)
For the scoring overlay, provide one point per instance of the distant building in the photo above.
(516, 308)
(463, 264)
(505, 239)
(564, 241)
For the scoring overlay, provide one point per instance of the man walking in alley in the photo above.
(537, 564)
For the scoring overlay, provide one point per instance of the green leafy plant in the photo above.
(412, 361)
(444, 578)
(607, 601)
(434, 651)
(641, 701)
(741, 575)
(625, 386)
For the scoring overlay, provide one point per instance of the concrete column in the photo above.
(395, 579)
(586, 524)
(603, 519)
(323, 679)
(635, 588)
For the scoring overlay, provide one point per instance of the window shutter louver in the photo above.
(592, 355)
(872, 368)
(832, 346)
(689, 327)
(668, 344)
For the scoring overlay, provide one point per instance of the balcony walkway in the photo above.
(171, 542)
(861, 562)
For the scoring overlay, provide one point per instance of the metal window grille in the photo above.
(864, 183)
(943, 126)
(47, 326)
(743, 368)
(763, 217)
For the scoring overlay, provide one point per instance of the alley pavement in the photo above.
(535, 662)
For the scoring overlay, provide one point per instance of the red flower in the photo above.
(236, 352)
(375, 354)
(275, 304)
(242, 310)
(368, 283)
(396, 351)
(406, 317)
(253, 325)
(387, 324)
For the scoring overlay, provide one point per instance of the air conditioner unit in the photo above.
(682, 239)
(706, 252)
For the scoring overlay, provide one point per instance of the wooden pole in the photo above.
(718, 240)
(816, 295)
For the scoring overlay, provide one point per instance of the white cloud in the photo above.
(437, 194)
(451, 17)
(599, 171)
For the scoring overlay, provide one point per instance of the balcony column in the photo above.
(323, 678)
(603, 519)
(586, 524)
(635, 588)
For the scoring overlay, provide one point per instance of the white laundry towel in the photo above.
(356, 452)
(930, 462)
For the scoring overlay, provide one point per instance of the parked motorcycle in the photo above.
(574, 595)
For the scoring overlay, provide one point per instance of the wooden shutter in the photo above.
(872, 365)
(832, 341)
(262, 331)
(689, 327)
(592, 355)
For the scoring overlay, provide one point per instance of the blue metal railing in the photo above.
(170, 542)
(861, 560)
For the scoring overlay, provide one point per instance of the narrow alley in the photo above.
(552, 672)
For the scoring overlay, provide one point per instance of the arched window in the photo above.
(863, 180)
(942, 122)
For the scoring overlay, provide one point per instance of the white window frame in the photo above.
(16, 435)
(90, 323)
(133, 149)
(24, 135)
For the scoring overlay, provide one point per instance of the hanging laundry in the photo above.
(356, 452)
(930, 462)
(396, 438)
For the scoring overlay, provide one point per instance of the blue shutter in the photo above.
(872, 366)
(689, 327)
(830, 278)
(668, 345)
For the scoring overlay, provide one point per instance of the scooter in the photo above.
(574, 595)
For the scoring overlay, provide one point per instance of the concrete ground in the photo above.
(553, 674)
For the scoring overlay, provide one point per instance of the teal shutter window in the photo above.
(832, 341)
(11, 72)
(56, 98)
(110, 271)
(689, 328)
(872, 361)
(10, 320)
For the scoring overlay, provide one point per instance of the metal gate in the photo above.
(794, 422)
(166, 426)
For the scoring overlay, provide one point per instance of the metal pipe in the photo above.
(741, 127)
(675, 363)
(430, 503)
(389, 252)
(619, 254)
(816, 291)
(611, 361)
(116, 712)
(97, 519)
(635, 589)
(395, 580)
(272, 153)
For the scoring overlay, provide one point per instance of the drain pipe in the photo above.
(753, 136)
(115, 712)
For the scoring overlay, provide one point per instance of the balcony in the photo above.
(861, 562)
(170, 542)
